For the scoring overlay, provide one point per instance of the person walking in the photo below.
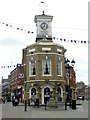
(34, 99)
(13, 100)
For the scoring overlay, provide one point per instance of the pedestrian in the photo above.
(34, 99)
(3, 100)
(18, 97)
(13, 100)
(83, 98)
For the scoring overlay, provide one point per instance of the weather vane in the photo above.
(43, 6)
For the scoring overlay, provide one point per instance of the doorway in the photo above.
(46, 94)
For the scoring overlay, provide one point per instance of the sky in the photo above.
(70, 22)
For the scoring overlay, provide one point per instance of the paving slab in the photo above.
(8, 111)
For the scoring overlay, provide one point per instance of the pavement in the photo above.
(8, 111)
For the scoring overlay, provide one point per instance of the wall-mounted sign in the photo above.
(21, 75)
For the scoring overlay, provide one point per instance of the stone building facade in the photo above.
(44, 61)
(45, 70)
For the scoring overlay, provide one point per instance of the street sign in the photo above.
(24, 84)
(67, 75)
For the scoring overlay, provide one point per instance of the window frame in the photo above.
(43, 67)
(59, 68)
(31, 68)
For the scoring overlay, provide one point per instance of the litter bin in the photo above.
(73, 104)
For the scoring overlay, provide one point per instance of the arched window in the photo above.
(59, 90)
(33, 91)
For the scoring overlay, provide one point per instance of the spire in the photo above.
(43, 6)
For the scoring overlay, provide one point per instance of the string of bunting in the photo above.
(70, 41)
(8, 66)
(13, 66)
(53, 38)
(17, 28)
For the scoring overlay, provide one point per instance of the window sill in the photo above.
(32, 75)
(59, 75)
(47, 75)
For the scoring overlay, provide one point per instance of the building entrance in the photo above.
(33, 91)
(46, 94)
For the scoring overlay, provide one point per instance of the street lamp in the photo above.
(25, 87)
(68, 90)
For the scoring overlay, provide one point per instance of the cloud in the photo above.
(11, 42)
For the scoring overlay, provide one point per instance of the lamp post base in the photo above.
(65, 105)
(25, 105)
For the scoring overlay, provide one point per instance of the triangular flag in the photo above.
(64, 40)
(54, 38)
(17, 28)
(68, 40)
(10, 25)
(28, 31)
(75, 41)
(6, 24)
(61, 39)
(81, 41)
(85, 42)
(71, 40)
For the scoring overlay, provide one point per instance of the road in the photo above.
(8, 111)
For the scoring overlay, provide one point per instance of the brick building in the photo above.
(16, 78)
(72, 82)
(81, 89)
(87, 92)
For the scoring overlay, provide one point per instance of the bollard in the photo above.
(25, 105)
(65, 105)
(45, 105)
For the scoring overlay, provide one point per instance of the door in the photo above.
(46, 94)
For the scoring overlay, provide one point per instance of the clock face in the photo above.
(44, 26)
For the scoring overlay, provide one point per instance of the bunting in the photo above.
(70, 41)
(9, 25)
(8, 66)
(53, 38)
(13, 66)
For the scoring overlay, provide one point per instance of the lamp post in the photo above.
(25, 88)
(25, 96)
(68, 89)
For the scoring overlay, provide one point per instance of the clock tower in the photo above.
(43, 27)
